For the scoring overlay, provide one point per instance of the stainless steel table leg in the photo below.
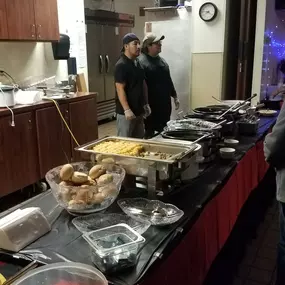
(151, 182)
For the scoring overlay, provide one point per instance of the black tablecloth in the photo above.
(65, 243)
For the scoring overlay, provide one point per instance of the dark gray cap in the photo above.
(151, 38)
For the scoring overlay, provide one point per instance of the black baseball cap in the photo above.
(128, 38)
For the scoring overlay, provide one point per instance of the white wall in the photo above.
(209, 37)
(207, 58)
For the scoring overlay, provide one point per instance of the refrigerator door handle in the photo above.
(101, 64)
(107, 63)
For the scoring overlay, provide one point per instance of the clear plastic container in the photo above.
(63, 273)
(114, 248)
(99, 221)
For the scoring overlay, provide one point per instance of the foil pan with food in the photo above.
(192, 124)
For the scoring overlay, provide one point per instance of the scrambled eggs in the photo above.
(119, 147)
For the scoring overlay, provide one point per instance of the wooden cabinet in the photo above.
(3, 21)
(35, 20)
(18, 156)
(83, 122)
(46, 20)
(54, 144)
(21, 19)
(40, 140)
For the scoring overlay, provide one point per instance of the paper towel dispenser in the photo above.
(61, 48)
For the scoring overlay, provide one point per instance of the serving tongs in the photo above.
(21, 273)
(237, 106)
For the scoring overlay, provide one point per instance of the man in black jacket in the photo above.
(159, 84)
(131, 90)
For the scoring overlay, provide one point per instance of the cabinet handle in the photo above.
(33, 30)
(30, 124)
(107, 63)
(39, 31)
(101, 64)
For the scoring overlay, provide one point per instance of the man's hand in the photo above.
(147, 110)
(129, 115)
(177, 103)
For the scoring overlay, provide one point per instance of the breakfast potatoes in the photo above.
(79, 189)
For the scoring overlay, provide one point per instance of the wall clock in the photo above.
(208, 11)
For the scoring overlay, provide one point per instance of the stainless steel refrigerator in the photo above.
(105, 31)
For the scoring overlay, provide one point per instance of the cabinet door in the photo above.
(53, 138)
(21, 19)
(18, 153)
(96, 66)
(3, 20)
(83, 122)
(111, 45)
(46, 20)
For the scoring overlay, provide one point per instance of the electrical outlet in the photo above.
(142, 12)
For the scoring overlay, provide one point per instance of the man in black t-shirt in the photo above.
(131, 90)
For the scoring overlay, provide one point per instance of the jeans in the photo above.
(281, 248)
(130, 128)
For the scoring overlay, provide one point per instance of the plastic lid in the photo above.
(63, 273)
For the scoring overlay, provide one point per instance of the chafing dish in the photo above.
(150, 166)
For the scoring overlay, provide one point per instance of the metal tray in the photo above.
(177, 151)
(148, 166)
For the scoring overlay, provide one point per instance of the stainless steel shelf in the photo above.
(160, 9)
(165, 9)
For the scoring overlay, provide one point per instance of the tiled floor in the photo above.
(258, 266)
(107, 129)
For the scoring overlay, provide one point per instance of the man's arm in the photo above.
(145, 92)
(120, 83)
(120, 87)
(173, 91)
(274, 142)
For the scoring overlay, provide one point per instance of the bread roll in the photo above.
(79, 178)
(66, 172)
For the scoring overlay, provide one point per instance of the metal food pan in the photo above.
(177, 151)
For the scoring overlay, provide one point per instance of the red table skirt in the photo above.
(189, 263)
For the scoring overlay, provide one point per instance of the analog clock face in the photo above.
(208, 11)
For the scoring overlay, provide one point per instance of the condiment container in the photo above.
(114, 248)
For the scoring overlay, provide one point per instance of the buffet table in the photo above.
(181, 253)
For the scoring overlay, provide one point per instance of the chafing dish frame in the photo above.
(149, 167)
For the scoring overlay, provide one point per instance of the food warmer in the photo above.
(161, 161)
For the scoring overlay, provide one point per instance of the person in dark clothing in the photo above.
(131, 90)
(159, 84)
(275, 156)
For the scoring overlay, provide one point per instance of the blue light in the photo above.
(278, 47)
